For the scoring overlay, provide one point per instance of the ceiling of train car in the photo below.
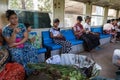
(73, 7)
(110, 3)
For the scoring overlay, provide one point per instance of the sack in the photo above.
(67, 59)
(87, 65)
(12, 71)
(88, 71)
(54, 60)
(81, 62)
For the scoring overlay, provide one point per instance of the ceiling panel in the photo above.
(110, 3)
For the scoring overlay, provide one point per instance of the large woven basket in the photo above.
(3, 56)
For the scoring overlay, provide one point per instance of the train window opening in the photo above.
(119, 14)
(112, 13)
(97, 15)
(72, 10)
(39, 13)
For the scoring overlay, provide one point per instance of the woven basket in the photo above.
(3, 56)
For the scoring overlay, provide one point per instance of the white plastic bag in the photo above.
(67, 59)
(116, 57)
(54, 60)
(82, 61)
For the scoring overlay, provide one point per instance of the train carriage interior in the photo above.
(62, 33)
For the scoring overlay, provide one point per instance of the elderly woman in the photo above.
(59, 38)
(16, 37)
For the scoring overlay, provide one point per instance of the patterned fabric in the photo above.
(12, 71)
(3, 56)
(55, 32)
(38, 41)
(78, 28)
(7, 31)
(18, 40)
(1, 38)
(87, 27)
(66, 45)
(25, 55)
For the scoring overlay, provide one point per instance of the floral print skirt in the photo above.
(25, 55)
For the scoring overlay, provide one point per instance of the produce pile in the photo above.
(55, 72)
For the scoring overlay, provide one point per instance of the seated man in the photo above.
(116, 57)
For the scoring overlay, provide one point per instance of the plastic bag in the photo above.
(54, 60)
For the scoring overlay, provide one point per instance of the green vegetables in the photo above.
(57, 72)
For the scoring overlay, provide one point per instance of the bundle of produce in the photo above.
(55, 72)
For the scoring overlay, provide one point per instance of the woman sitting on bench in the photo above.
(108, 28)
(16, 37)
(90, 41)
(58, 38)
(93, 35)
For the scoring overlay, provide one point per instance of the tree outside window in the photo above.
(39, 13)
(40, 5)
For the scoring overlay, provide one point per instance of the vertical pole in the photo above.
(117, 14)
(58, 11)
(4, 7)
(88, 9)
(105, 14)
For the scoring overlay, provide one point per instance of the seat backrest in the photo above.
(97, 29)
(68, 34)
(46, 37)
(33, 33)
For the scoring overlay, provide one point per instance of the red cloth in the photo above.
(17, 41)
(13, 71)
(77, 28)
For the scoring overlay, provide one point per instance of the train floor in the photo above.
(103, 57)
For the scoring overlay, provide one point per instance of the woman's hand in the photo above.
(32, 40)
(59, 35)
(13, 44)
(17, 30)
(82, 31)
